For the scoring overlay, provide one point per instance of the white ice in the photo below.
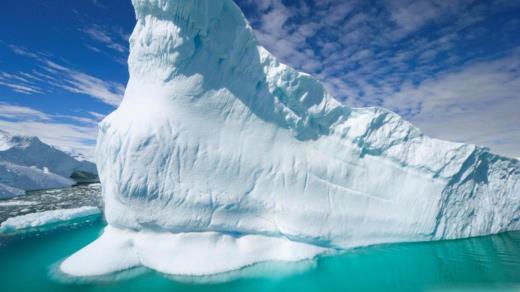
(16, 203)
(215, 136)
(44, 218)
(193, 253)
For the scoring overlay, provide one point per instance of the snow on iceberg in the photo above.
(45, 218)
(216, 142)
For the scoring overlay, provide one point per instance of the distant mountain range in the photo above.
(26, 163)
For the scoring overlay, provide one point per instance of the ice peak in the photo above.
(196, 47)
(193, 14)
(180, 28)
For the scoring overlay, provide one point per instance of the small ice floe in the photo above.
(46, 218)
(16, 203)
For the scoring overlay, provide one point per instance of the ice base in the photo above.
(190, 253)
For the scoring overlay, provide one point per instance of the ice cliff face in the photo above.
(215, 136)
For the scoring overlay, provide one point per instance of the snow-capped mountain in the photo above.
(220, 156)
(26, 163)
(77, 155)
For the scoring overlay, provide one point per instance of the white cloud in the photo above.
(412, 15)
(478, 103)
(64, 136)
(410, 56)
(98, 3)
(19, 83)
(100, 35)
(21, 112)
(24, 52)
(78, 82)
(72, 133)
(469, 86)
(96, 115)
(78, 137)
(51, 74)
(21, 88)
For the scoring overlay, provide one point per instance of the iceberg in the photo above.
(220, 156)
(45, 218)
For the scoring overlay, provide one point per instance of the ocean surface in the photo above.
(28, 262)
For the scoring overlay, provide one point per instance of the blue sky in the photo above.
(450, 67)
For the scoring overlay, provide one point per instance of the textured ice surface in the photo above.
(215, 136)
(44, 218)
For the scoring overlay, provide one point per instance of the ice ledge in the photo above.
(194, 253)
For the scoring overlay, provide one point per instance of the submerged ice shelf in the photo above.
(216, 143)
(191, 253)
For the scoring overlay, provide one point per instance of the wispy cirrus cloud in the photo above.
(72, 132)
(20, 87)
(110, 41)
(48, 74)
(478, 102)
(10, 111)
(75, 81)
(103, 37)
(97, 115)
(423, 59)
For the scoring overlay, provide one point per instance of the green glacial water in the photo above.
(28, 263)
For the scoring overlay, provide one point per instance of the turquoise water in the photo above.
(28, 263)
